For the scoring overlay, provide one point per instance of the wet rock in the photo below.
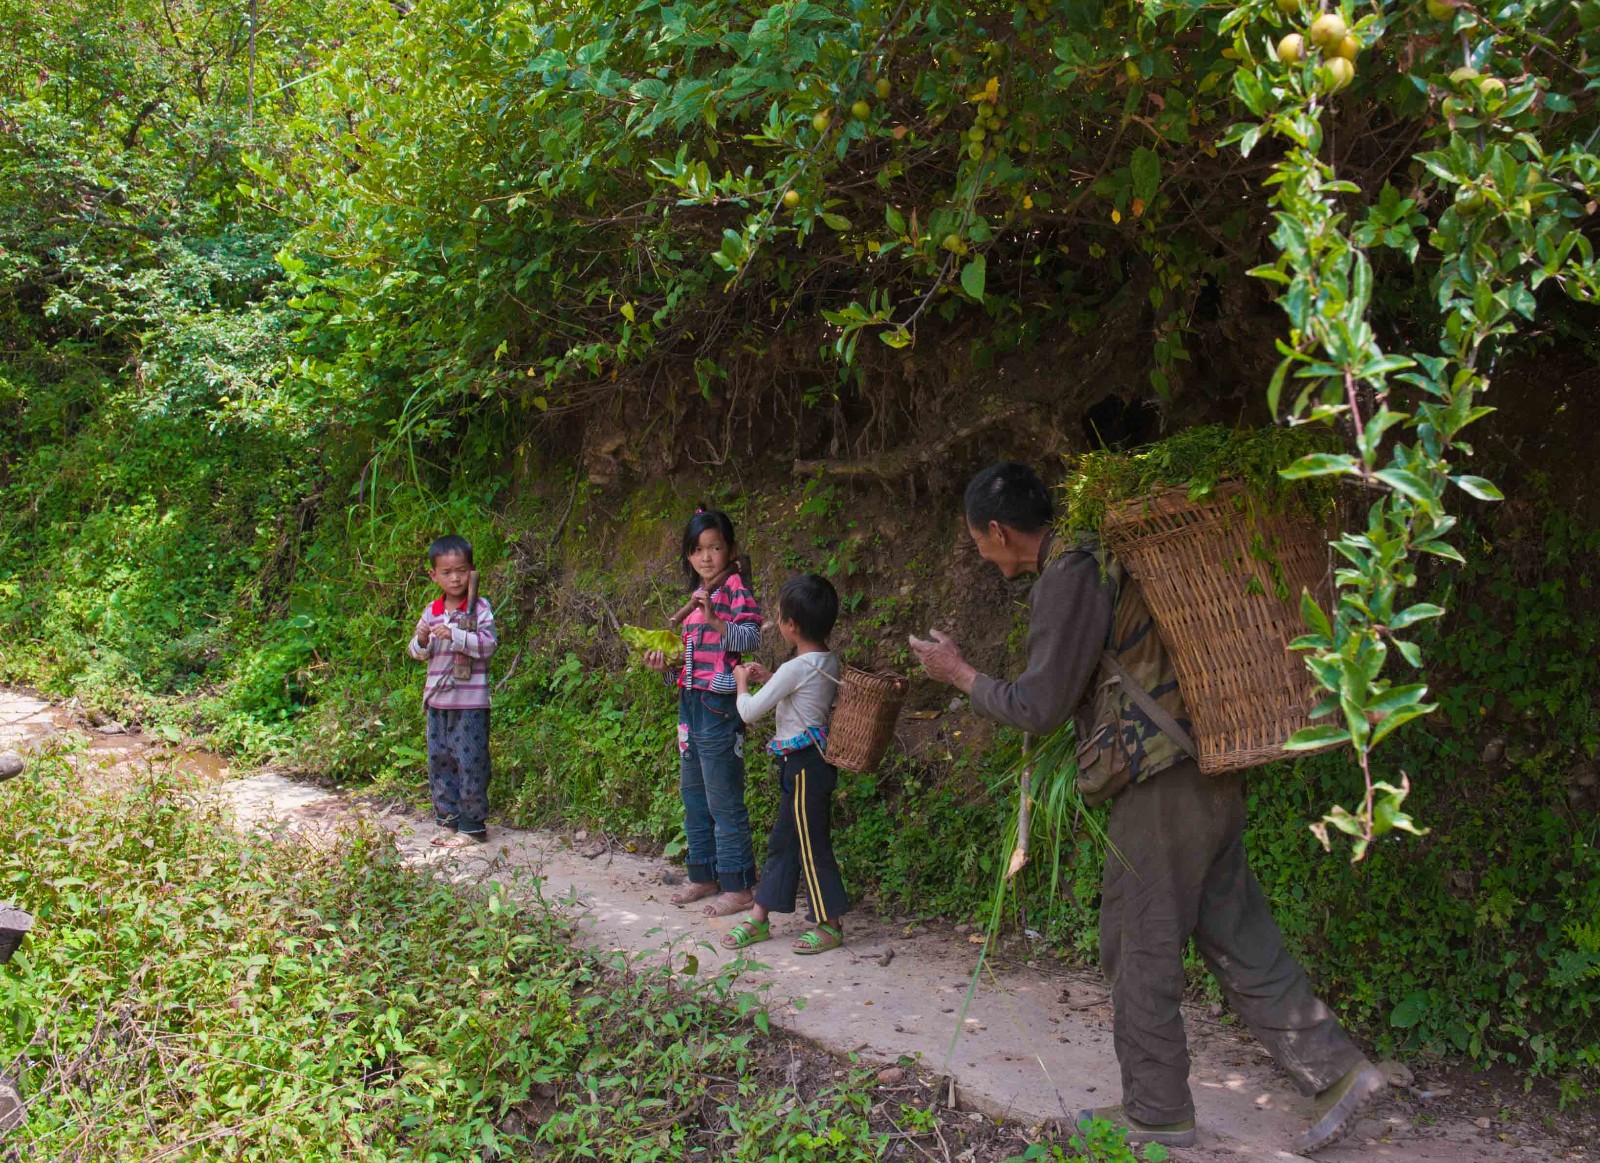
(891, 1076)
(11, 765)
(1494, 750)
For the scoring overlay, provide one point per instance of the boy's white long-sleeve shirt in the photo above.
(802, 692)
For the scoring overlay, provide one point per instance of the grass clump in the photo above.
(1198, 459)
(192, 994)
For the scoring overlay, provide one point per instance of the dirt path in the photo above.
(1035, 1044)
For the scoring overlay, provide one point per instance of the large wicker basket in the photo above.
(864, 718)
(1209, 571)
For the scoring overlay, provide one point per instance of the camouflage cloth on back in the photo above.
(1118, 743)
(1082, 606)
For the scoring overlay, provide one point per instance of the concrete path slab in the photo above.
(1034, 1044)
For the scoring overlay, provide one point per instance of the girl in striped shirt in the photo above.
(725, 624)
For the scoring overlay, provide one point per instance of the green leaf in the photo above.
(836, 221)
(973, 276)
(1319, 464)
(1323, 735)
(1484, 490)
(1417, 613)
(1146, 169)
(1407, 484)
(1410, 1010)
(1313, 616)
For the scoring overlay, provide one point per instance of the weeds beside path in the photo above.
(195, 993)
(192, 993)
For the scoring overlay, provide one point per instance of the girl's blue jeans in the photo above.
(711, 780)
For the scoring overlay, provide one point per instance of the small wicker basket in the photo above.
(1208, 571)
(864, 718)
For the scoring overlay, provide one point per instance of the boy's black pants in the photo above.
(800, 849)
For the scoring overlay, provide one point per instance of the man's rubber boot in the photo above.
(1338, 1107)
(1173, 1135)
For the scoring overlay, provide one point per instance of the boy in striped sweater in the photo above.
(456, 643)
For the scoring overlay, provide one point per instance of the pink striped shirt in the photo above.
(708, 660)
(442, 691)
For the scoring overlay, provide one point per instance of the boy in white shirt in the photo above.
(802, 691)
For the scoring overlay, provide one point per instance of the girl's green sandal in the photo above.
(819, 939)
(746, 933)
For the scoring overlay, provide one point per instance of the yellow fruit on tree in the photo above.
(1340, 73)
(976, 133)
(821, 120)
(883, 88)
(1492, 88)
(1348, 48)
(1462, 75)
(1292, 49)
(791, 198)
(1327, 31)
(1439, 10)
(952, 243)
(1289, 7)
(860, 110)
(974, 150)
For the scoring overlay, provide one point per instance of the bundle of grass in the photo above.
(1198, 460)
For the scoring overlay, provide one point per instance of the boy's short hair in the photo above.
(1011, 494)
(811, 603)
(448, 546)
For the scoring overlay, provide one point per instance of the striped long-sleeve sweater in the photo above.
(442, 691)
(709, 657)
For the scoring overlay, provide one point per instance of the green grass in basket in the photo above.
(1197, 459)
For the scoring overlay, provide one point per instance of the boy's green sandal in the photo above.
(746, 933)
(1173, 1135)
(819, 939)
(1338, 1107)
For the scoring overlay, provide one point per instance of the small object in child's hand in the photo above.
(641, 641)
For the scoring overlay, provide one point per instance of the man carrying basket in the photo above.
(1178, 868)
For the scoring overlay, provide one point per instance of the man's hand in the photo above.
(942, 659)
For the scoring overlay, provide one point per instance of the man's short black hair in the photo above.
(1012, 494)
(447, 546)
(811, 603)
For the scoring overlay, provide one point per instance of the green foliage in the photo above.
(1099, 1142)
(641, 641)
(1197, 459)
(190, 992)
(1511, 167)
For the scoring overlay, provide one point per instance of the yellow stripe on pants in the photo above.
(808, 862)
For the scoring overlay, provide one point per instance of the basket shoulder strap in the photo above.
(1153, 710)
(815, 669)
